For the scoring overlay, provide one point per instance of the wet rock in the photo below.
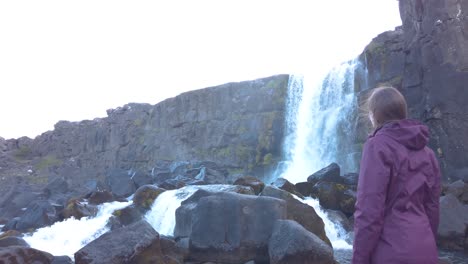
(78, 209)
(291, 243)
(256, 184)
(172, 184)
(62, 260)
(125, 216)
(341, 219)
(17, 254)
(141, 178)
(331, 173)
(299, 212)
(122, 245)
(305, 188)
(11, 233)
(350, 179)
(453, 223)
(145, 195)
(458, 189)
(228, 227)
(100, 197)
(335, 196)
(285, 185)
(13, 241)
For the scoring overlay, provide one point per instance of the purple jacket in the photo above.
(397, 208)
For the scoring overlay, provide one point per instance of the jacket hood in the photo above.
(408, 132)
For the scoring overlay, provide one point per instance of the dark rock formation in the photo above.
(62, 260)
(123, 245)
(18, 254)
(331, 173)
(38, 214)
(256, 184)
(232, 126)
(427, 59)
(13, 241)
(335, 196)
(304, 188)
(145, 195)
(77, 209)
(285, 185)
(228, 227)
(453, 223)
(291, 243)
(299, 212)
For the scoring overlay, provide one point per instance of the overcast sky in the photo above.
(72, 60)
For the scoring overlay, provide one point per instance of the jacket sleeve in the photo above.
(374, 176)
(432, 203)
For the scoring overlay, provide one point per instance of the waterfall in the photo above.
(70, 235)
(320, 120)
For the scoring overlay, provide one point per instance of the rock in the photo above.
(38, 214)
(291, 243)
(305, 188)
(11, 225)
(285, 185)
(57, 186)
(141, 178)
(453, 223)
(78, 209)
(62, 260)
(256, 184)
(122, 245)
(350, 179)
(341, 219)
(13, 241)
(18, 254)
(100, 197)
(172, 184)
(228, 227)
(14, 200)
(145, 195)
(120, 183)
(458, 189)
(11, 233)
(335, 196)
(299, 212)
(331, 173)
(126, 216)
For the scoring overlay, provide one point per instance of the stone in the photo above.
(141, 178)
(228, 227)
(457, 189)
(146, 195)
(122, 245)
(120, 183)
(453, 223)
(335, 196)
(291, 243)
(299, 212)
(305, 188)
(17, 254)
(78, 209)
(331, 173)
(11, 233)
(350, 179)
(256, 184)
(62, 260)
(100, 197)
(285, 185)
(38, 214)
(340, 218)
(56, 186)
(13, 241)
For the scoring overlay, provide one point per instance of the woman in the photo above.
(397, 208)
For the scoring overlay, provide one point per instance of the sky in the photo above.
(73, 60)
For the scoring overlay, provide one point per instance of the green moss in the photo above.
(22, 153)
(268, 159)
(117, 213)
(137, 122)
(243, 153)
(37, 179)
(48, 162)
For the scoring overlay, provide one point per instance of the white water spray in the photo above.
(320, 123)
(70, 235)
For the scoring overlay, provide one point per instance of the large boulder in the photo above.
(38, 214)
(290, 243)
(78, 209)
(145, 195)
(141, 178)
(335, 196)
(99, 197)
(13, 241)
(56, 186)
(18, 254)
(122, 245)
(299, 212)
(120, 183)
(305, 188)
(453, 223)
(286, 185)
(256, 184)
(228, 227)
(331, 173)
(458, 189)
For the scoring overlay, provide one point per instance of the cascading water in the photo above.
(320, 123)
(70, 235)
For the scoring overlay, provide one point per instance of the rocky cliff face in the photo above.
(238, 126)
(427, 59)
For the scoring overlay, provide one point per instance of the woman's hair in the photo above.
(386, 104)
